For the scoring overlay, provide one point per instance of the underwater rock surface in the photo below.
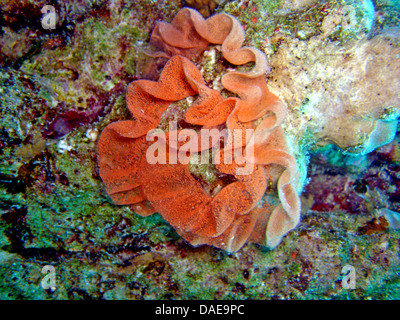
(334, 63)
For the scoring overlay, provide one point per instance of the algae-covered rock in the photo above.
(334, 63)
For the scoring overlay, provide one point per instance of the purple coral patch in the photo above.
(377, 186)
(65, 122)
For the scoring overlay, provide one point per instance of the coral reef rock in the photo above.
(348, 95)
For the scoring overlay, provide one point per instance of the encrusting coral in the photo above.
(344, 94)
(239, 211)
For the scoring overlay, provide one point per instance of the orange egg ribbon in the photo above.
(239, 212)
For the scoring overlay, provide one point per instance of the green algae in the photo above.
(174, 114)
(21, 104)
(184, 277)
(257, 17)
(388, 14)
(338, 157)
(203, 170)
(92, 61)
(262, 19)
(82, 208)
(98, 39)
(15, 277)
(294, 268)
